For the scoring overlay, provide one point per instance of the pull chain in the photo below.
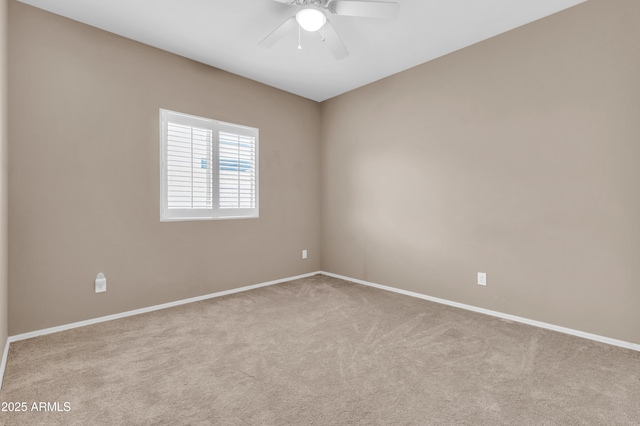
(299, 45)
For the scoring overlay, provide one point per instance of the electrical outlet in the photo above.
(304, 254)
(482, 278)
(101, 283)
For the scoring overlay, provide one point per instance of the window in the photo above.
(209, 169)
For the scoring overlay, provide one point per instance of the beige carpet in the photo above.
(320, 351)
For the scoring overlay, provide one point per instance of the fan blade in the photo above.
(334, 42)
(278, 33)
(289, 2)
(365, 9)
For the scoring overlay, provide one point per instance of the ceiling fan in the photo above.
(312, 16)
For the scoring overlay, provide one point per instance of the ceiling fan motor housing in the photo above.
(312, 16)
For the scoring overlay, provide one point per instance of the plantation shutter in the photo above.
(209, 168)
(189, 156)
(237, 169)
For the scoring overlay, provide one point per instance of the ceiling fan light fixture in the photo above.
(311, 19)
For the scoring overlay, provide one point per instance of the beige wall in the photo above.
(84, 178)
(517, 157)
(3, 176)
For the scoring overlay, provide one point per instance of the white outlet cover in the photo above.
(482, 278)
(101, 283)
(304, 254)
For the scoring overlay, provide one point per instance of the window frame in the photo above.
(216, 126)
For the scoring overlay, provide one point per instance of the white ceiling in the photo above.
(225, 34)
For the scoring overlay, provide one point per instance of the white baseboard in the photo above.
(50, 330)
(3, 364)
(535, 323)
